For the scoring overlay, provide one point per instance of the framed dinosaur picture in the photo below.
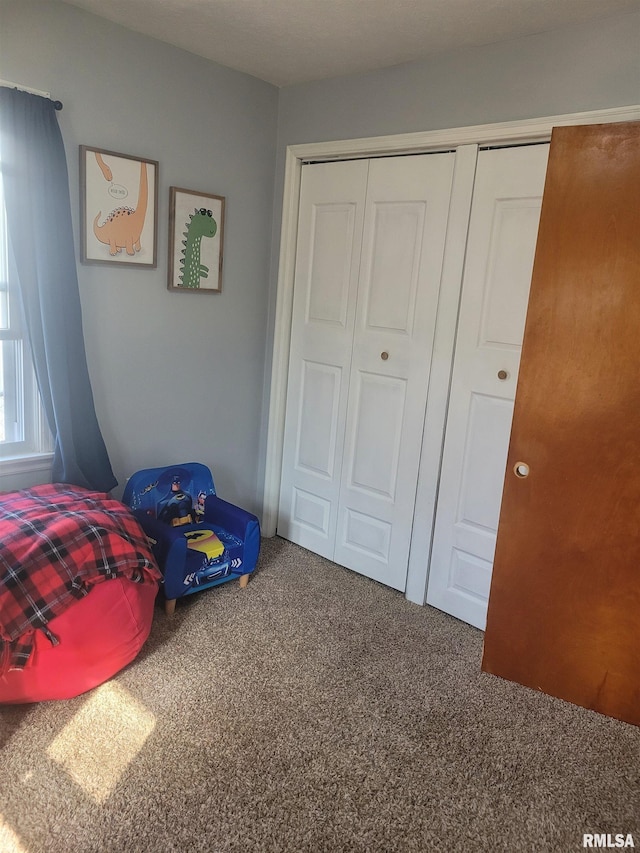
(118, 209)
(196, 233)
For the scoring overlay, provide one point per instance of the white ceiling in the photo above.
(296, 41)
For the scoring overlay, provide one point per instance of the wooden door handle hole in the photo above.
(521, 469)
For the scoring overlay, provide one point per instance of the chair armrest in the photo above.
(238, 522)
(226, 515)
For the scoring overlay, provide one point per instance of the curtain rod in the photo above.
(21, 88)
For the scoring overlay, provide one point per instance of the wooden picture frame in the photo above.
(118, 209)
(196, 240)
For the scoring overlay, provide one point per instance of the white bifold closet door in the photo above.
(371, 238)
(370, 253)
(503, 229)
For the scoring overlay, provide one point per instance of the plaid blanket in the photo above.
(56, 543)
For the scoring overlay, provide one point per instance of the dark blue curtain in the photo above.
(42, 258)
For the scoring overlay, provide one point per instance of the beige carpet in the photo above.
(313, 711)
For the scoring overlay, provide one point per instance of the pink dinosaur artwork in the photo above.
(123, 226)
(114, 232)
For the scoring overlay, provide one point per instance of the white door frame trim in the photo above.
(504, 133)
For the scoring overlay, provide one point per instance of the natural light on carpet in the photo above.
(100, 742)
(9, 841)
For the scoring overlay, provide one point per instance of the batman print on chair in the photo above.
(118, 208)
(196, 230)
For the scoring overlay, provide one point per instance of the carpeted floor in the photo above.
(313, 711)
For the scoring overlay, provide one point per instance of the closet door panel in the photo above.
(326, 281)
(403, 243)
(499, 258)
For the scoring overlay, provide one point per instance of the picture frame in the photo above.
(196, 241)
(118, 209)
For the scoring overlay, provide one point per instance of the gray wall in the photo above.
(176, 377)
(586, 67)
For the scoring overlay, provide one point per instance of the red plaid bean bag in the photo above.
(77, 589)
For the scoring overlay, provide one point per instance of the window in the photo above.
(25, 439)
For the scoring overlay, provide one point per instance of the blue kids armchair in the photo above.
(198, 540)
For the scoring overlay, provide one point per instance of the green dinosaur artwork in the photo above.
(201, 224)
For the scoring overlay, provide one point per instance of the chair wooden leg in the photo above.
(170, 606)
(244, 580)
